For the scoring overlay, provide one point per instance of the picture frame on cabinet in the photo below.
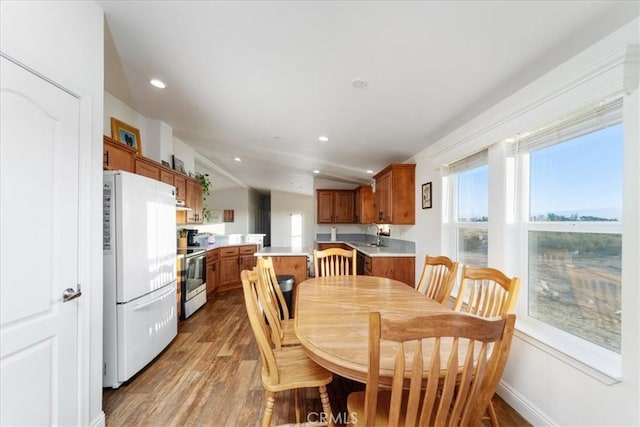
(178, 165)
(127, 134)
(426, 196)
(228, 215)
(165, 164)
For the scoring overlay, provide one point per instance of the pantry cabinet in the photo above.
(335, 206)
(395, 194)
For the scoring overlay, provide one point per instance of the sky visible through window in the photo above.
(580, 177)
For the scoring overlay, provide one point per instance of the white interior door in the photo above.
(39, 142)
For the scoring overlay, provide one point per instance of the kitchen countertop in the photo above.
(391, 250)
(284, 251)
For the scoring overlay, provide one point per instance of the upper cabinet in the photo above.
(335, 206)
(117, 156)
(194, 201)
(364, 210)
(395, 194)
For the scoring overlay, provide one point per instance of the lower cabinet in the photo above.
(234, 259)
(402, 269)
(213, 271)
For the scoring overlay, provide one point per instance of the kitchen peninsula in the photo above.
(292, 261)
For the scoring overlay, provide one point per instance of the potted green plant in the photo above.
(205, 184)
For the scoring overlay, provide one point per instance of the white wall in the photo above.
(283, 205)
(548, 387)
(63, 41)
(236, 199)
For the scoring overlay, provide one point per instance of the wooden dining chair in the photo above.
(446, 368)
(438, 277)
(334, 262)
(487, 292)
(275, 306)
(287, 369)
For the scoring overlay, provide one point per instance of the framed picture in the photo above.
(228, 215)
(165, 164)
(178, 164)
(127, 134)
(426, 196)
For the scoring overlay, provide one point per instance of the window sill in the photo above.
(606, 370)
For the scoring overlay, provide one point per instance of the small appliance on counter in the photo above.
(191, 238)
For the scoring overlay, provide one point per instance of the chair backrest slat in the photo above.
(438, 277)
(258, 324)
(462, 367)
(334, 262)
(487, 291)
(274, 303)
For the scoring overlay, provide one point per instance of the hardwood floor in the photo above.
(210, 376)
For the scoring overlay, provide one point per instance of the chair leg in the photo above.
(493, 418)
(268, 408)
(326, 405)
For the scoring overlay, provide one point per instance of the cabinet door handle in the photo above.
(106, 158)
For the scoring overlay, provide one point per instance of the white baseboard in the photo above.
(100, 420)
(525, 408)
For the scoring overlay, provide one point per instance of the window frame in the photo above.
(593, 358)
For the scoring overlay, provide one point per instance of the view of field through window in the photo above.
(575, 276)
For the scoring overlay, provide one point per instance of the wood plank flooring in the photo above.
(210, 376)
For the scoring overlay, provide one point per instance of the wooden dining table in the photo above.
(332, 319)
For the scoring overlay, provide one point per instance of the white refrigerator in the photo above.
(139, 273)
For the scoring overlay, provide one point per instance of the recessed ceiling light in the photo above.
(158, 83)
(237, 159)
(369, 171)
(359, 83)
(316, 171)
(323, 138)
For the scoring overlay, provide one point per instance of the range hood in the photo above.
(180, 206)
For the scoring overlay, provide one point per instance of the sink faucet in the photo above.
(377, 242)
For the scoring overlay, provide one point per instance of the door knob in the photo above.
(70, 294)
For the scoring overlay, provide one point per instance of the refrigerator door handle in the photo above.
(153, 301)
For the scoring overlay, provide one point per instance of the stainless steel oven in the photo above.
(193, 281)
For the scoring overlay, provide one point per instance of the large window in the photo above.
(574, 236)
(470, 179)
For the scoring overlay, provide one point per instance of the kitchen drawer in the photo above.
(213, 255)
(248, 250)
(229, 252)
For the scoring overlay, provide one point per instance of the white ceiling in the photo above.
(263, 79)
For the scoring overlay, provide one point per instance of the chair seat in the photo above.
(296, 370)
(289, 337)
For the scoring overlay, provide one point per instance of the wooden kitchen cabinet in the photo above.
(234, 259)
(213, 271)
(194, 201)
(395, 194)
(117, 156)
(147, 168)
(180, 182)
(402, 269)
(323, 246)
(335, 206)
(166, 176)
(364, 210)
